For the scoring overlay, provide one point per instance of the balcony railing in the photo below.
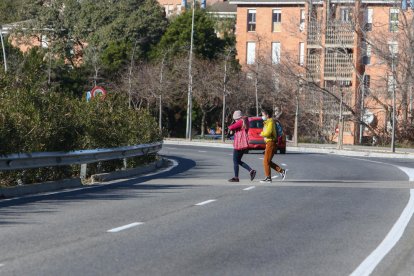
(314, 33)
(313, 67)
(331, 105)
(338, 66)
(339, 34)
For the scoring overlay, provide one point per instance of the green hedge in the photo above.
(31, 121)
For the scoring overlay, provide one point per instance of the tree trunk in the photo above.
(203, 122)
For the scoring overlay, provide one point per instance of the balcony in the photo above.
(313, 66)
(331, 105)
(314, 38)
(339, 34)
(338, 66)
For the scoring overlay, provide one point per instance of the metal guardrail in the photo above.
(83, 157)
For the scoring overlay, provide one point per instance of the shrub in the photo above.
(31, 121)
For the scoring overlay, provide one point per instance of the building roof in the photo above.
(223, 7)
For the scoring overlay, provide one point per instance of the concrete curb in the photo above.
(40, 187)
(103, 177)
(345, 152)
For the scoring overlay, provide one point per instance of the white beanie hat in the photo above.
(237, 114)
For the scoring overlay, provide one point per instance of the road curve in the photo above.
(325, 219)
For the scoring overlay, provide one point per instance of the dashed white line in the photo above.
(205, 202)
(249, 188)
(283, 164)
(202, 151)
(275, 176)
(114, 230)
(261, 158)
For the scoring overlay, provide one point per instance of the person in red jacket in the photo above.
(240, 144)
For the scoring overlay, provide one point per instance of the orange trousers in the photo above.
(270, 150)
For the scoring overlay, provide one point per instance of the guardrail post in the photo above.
(125, 164)
(83, 171)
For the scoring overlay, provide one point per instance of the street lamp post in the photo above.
(393, 101)
(295, 131)
(341, 122)
(4, 49)
(190, 79)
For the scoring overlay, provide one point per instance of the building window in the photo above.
(368, 19)
(275, 52)
(301, 53)
(366, 59)
(394, 19)
(367, 84)
(178, 11)
(392, 84)
(346, 15)
(44, 42)
(169, 10)
(276, 20)
(302, 20)
(251, 52)
(393, 48)
(251, 20)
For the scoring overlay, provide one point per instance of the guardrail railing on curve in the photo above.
(51, 159)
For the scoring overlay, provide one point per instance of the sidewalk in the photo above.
(348, 150)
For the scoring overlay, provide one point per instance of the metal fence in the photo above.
(50, 159)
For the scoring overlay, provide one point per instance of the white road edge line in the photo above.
(395, 234)
(205, 202)
(114, 230)
(249, 188)
(174, 164)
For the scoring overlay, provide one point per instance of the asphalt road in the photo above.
(326, 218)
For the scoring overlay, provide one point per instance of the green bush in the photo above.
(31, 121)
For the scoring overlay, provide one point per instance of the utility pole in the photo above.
(160, 89)
(361, 125)
(223, 121)
(4, 49)
(393, 101)
(341, 123)
(295, 131)
(394, 80)
(190, 79)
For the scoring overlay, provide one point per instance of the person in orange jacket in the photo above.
(269, 134)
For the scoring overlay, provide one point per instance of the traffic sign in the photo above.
(98, 91)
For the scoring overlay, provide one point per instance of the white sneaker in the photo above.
(266, 180)
(283, 174)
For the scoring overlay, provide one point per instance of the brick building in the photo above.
(342, 46)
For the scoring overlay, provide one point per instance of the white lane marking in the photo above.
(249, 188)
(1, 265)
(261, 158)
(205, 202)
(174, 164)
(283, 164)
(202, 151)
(114, 230)
(395, 234)
(275, 176)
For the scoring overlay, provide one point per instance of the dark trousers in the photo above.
(237, 160)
